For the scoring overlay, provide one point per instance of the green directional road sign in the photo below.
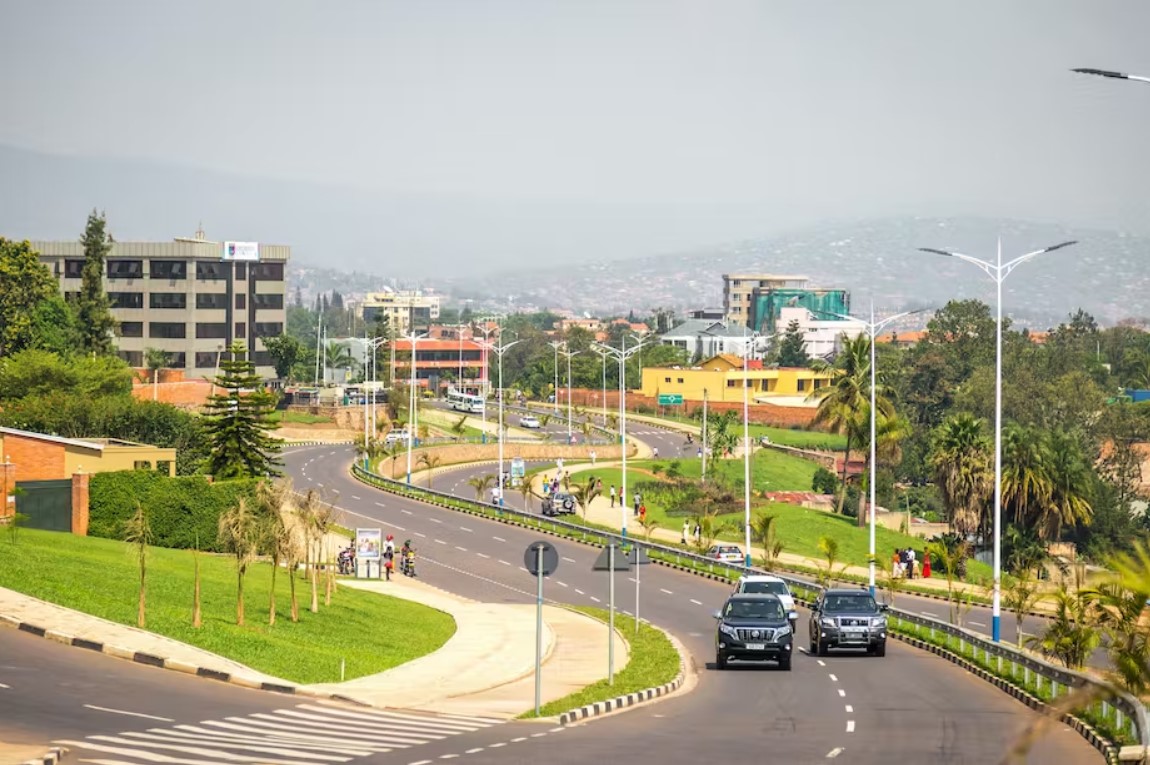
(670, 399)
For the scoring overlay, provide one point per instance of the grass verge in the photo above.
(300, 418)
(793, 437)
(370, 632)
(653, 662)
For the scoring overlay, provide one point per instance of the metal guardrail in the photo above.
(1123, 711)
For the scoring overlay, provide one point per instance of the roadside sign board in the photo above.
(550, 558)
(368, 543)
(670, 399)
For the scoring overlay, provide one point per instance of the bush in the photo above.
(184, 510)
(824, 482)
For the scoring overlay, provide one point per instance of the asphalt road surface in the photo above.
(909, 705)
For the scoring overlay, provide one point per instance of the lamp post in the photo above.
(997, 271)
(1114, 75)
(487, 332)
(556, 345)
(459, 380)
(412, 423)
(568, 355)
(873, 328)
(499, 350)
(622, 356)
(372, 344)
(603, 401)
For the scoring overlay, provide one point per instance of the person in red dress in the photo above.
(926, 564)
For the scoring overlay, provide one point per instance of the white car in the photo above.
(762, 583)
(730, 553)
(529, 421)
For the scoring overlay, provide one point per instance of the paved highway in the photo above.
(907, 704)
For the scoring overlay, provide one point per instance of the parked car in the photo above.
(753, 628)
(845, 618)
(750, 584)
(529, 421)
(559, 503)
(732, 553)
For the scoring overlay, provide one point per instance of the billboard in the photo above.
(368, 543)
(242, 251)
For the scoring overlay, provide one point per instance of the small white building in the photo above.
(705, 339)
(823, 335)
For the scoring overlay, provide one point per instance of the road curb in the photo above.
(1108, 749)
(50, 757)
(628, 700)
(293, 444)
(175, 665)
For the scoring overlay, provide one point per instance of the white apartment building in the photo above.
(823, 336)
(405, 309)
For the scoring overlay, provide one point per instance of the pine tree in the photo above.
(298, 297)
(336, 301)
(238, 420)
(93, 309)
(793, 350)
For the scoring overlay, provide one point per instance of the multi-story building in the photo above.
(703, 339)
(737, 289)
(766, 305)
(405, 310)
(438, 364)
(822, 334)
(189, 297)
(722, 378)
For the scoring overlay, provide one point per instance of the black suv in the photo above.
(559, 503)
(753, 628)
(845, 618)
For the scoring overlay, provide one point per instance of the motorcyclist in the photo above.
(407, 557)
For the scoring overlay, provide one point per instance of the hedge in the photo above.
(184, 510)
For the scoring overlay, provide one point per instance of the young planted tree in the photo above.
(197, 612)
(649, 525)
(829, 547)
(1021, 595)
(764, 531)
(429, 462)
(155, 359)
(92, 306)
(584, 494)
(460, 426)
(482, 484)
(238, 421)
(275, 499)
(950, 560)
(138, 533)
(240, 529)
(1069, 635)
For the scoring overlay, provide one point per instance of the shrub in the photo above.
(824, 482)
(182, 510)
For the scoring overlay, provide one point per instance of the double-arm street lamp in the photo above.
(873, 328)
(499, 350)
(568, 355)
(603, 401)
(998, 271)
(370, 424)
(412, 417)
(556, 345)
(1114, 75)
(621, 356)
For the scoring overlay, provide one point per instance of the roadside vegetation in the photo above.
(367, 632)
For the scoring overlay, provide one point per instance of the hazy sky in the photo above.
(510, 130)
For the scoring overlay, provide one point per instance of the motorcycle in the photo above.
(407, 565)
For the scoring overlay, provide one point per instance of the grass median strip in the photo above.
(368, 631)
(653, 662)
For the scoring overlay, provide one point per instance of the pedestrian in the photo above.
(926, 564)
(599, 485)
(902, 561)
(700, 453)
(638, 500)
(612, 495)
(642, 513)
(686, 531)
(895, 564)
(910, 561)
(698, 532)
(592, 456)
(655, 451)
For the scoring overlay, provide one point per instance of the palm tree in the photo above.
(339, 356)
(1025, 472)
(1069, 635)
(829, 547)
(1070, 479)
(584, 494)
(430, 462)
(482, 484)
(239, 530)
(951, 560)
(155, 359)
(649, 525)
(890, 431)
(723, 437)
(961, 458)
(765, 532)
(842, 403)
(527, 490)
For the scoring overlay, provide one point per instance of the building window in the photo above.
(209, 270)
(241, 301)
(131, 329)
(206, 359)
(169, 269)
(71, 297)
(73, 269)
(142, 465)
(168, 330)
(126, 299)
(241, 271)
(268, 272)
(210, 300)
(666, 379)
(168, 300)
(736, 283)
(206, 330)
(272, 301)
(269, 328)
(125, 269)
(177, 360)
(802, 385)
(679, 380)
(731, 383)
(164, 466)
(241, 329)
(133, 358)
(262, 359)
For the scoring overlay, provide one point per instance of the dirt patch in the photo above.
(324, 431)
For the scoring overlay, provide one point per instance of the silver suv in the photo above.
(845, 618)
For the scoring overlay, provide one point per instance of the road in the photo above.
(909, 703)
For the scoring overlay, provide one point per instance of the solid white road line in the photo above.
(392, 525)
(129, 714)
(850, 726)
(928, 613)
(978, 624)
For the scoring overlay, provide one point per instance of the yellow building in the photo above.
(722, 378)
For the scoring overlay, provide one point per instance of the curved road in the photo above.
(909, 705)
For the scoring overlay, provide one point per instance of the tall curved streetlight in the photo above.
(412, 422)
(603, 402)
(997, 271)
(555, 346)
(621, 356)
(1113, 75)
(568, 354)
(873, 328)
(499, 350)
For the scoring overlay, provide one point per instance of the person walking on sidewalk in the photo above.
(612, 495)
(638, 500)
(686, 531)
(642, 513)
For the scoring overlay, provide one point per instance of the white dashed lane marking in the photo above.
(665, 592)
(833, 678)
(850, 709)
(499, 539)
(850, 726)
(842, 693)
(355, 498)
(569, 560)
(697, 603)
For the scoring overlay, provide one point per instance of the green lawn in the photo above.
(770, 471)
(653, 662)
(284, 417)
(99, 576)
(799, 439)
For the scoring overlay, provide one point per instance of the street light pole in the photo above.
(556, 345)
(622, 356)
(603, 401)
(411, 422)
(568, 355)
(998, 271)
(487, 331)
(746, 451)
(1115, 75)
(873, 328)
(499, 350)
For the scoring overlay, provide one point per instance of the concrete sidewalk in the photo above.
(485, 669)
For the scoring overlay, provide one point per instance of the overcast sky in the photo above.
(638, 127)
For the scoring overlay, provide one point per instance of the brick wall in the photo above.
(37, 460)
(764, 414)
(7, 483)
(183, 393)
(80, 504)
